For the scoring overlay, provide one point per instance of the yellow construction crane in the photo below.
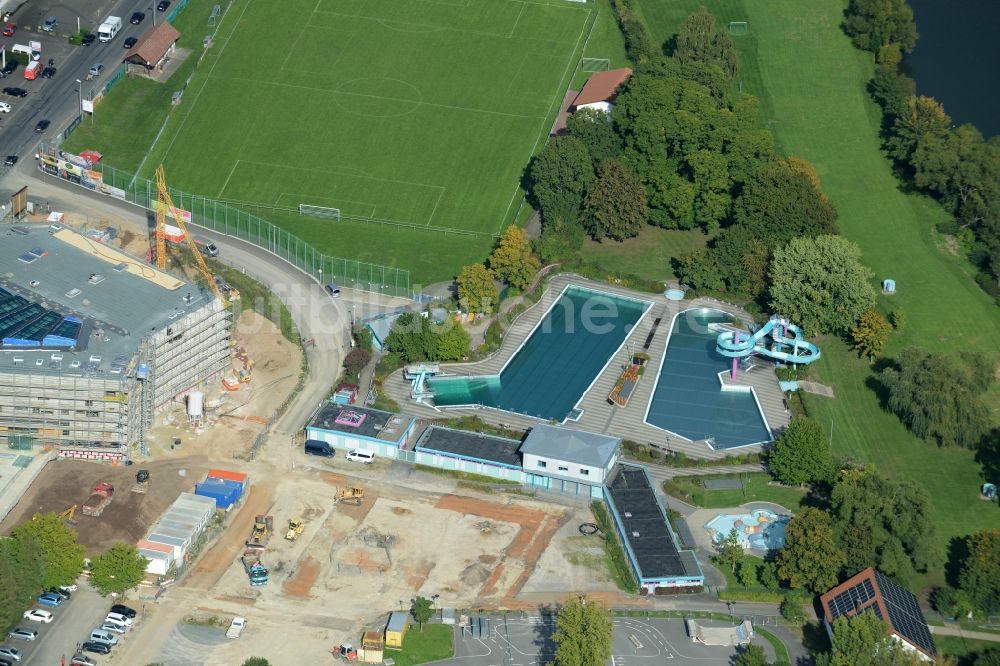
(163, 204)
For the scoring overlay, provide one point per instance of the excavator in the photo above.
(163, 204)
(68, 514)
(354, 495)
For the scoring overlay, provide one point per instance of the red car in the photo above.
(9, 30)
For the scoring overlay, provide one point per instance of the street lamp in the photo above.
(79, 86)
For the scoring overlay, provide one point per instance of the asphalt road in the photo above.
(58, 99)
(74, 620)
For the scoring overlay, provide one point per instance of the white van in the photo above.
(103, 636)
(361, 456)
(26, 50)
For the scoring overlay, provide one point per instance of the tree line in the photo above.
(955, 165)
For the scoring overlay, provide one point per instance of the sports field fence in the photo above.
(232, 221)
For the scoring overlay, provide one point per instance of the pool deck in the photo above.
(599, 416)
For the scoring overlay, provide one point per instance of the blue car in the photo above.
(49, 599)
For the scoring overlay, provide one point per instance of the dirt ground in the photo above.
(64, 483)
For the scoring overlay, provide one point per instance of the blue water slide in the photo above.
(783, 336)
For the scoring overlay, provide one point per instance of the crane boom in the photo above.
(166, 203)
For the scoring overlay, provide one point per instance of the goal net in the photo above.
(595, 64)
(738, 28)
(319, 211)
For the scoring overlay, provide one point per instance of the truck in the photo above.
(141, 482)
(256, 571)
(263, 527)
(107, 30)
(100, 498)
(295, 528)
(236, 627)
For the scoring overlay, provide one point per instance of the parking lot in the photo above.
(526, 641)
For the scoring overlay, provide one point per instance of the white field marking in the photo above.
(228, 178)
(313, 170)
(516, 21)
(298, 198)
(436, 203)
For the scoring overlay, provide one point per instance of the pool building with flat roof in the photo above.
(94, 342)
(348, 427)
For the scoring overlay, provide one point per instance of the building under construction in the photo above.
(94, 342)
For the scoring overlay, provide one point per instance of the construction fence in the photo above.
(232, 221)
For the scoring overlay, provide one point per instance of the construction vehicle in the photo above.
(68, 514)
(263, 528)
(141, 482)
(354, 495)
(100, 498)
(346, 652)
(256, 571)
(236, 627)
(295, 528)
(164, 204)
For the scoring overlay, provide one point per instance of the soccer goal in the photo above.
(738, 28)
(319, 211)
(595, 64)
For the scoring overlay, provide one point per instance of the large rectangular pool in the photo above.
(557, 363)
(688, 400)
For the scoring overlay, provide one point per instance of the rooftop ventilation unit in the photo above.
(18, 360)
(120, 267)
(74, 364)
(95, 278)
(73, 293)
(628, 514)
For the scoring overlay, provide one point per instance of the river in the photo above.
(957, 58)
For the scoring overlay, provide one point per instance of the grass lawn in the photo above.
(756, 489)
(419, 647)
(647, 255)
(420, 115)
(780, 651)
(812, 85)
(959, 647)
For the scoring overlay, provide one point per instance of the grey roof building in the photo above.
(575, 446)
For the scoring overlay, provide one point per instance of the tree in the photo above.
(256, 661)
(939, 397)
(559, 176)
(451, 345)
(979, 572)
(583, 634)
(477, 292)
(768, 574)
(989, 657)
(751, 655)
(559, 240)
(898, 319)
(422, 610)
(810, 559)
(919, 133)
(801, 454)
(872, 24)
(615, 205)
(746, 573)
(882, 523)
(730, 549)
(700, 39)
(118, 569)
(512, 260)
(595, 129)
(62, 555)
(357, 359)
(821, 284)
(410, 338)
(865, 639)
(870, 334)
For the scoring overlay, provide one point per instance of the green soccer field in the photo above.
(415, 119)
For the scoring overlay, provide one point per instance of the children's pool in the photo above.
(557, 362)
(760, 529)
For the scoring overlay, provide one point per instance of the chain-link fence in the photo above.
(233, 221)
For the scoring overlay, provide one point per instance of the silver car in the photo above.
(23, 634)
(10, 652)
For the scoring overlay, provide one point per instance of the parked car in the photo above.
(333, 290)
(162, 7)
(38, 615)
(15, 92)
(10, 160)
(10, 67)
(10, 652)
(50, 24)
(120, 619)
(43, 125)
(129, 43)
(66, 588)
(95, 69)
(48, 72)
(361, 456)
(82, 660)
(23, 634)
(59, 591)
(103, 636)
(4, 107)
(88, 39)
(95, 647)
(113, 627)
(48, 599)
(9, 30)
(137, 18)
(122, 609)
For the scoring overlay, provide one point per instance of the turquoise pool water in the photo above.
(558, 362)
(688, 400)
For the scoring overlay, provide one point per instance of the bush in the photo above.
(356, 360)
(897, 319)
(791, 610)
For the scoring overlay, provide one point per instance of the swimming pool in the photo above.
(557, 363)
(688, 400)
(761, 530)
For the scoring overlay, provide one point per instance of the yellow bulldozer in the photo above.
(353, 495)
(295, 528)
